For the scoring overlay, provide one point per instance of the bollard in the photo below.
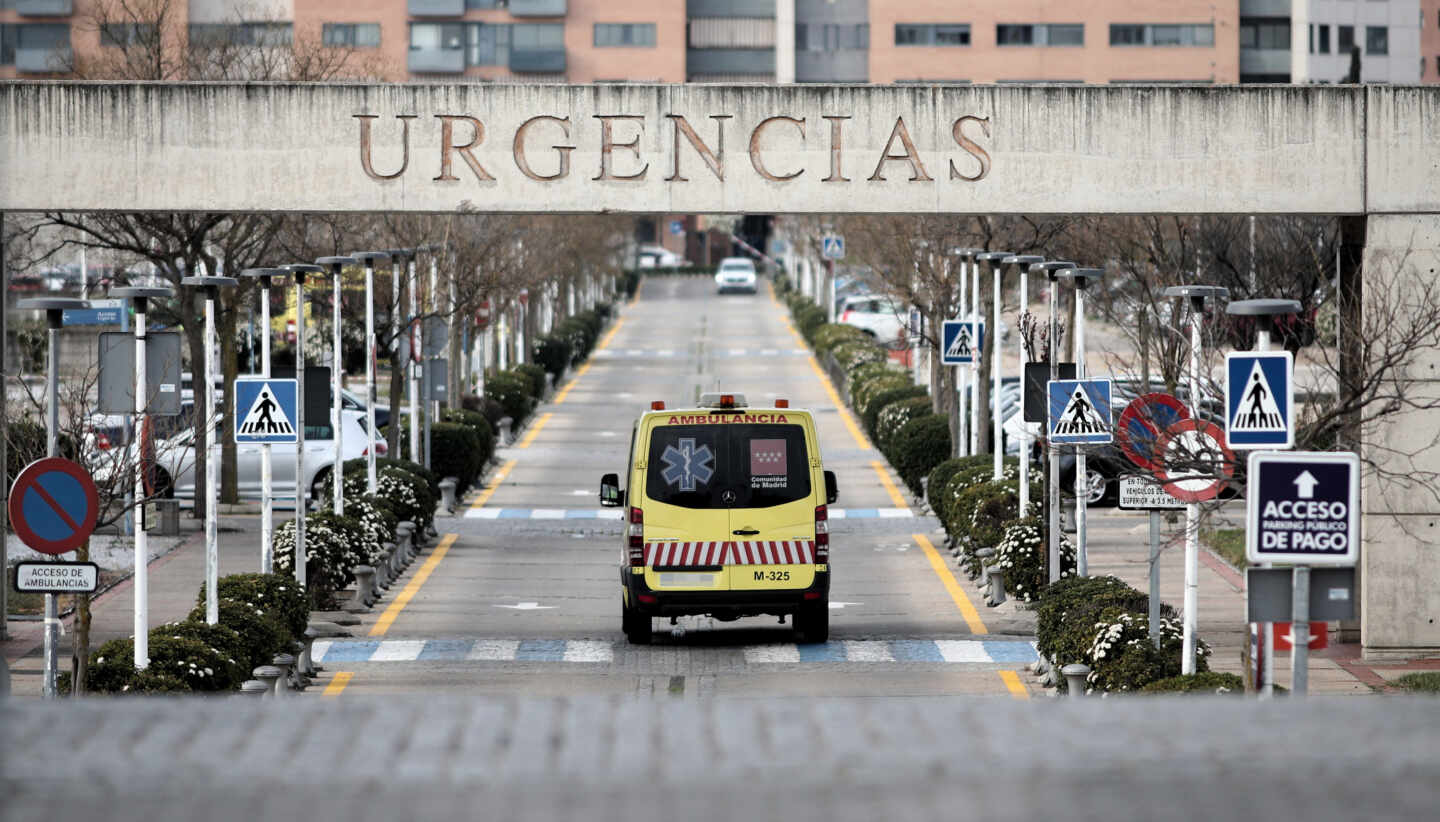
(397, 562)
(286, 664)
(1075, 674)
(254, 687)
(364, 575)
(1040, 666)
(307, 644)
(405, 535)
(270, 676)
(982, 577)
(299, 650)
(996, 595)
(507, 430)
(382, 574)
(447, 494)
(4, 677)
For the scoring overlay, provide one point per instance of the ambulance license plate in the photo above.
(688, 580)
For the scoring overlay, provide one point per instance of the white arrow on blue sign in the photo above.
(961, 342)
(1079, 412)
(1302, 508)
(832, 247)
(265, 410)
(1259, 399)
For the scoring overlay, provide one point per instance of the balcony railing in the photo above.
(537, 8)
(540, 61)
(45, 8)
(436, 61)
(437, 8)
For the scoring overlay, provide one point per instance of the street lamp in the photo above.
(1197, 294)
(1080, 278)
(300, 272)
(427, 385)
(337, 383)
(139, 297)
(54, 309)
(1023, 262)
(370, 258)
(995, 259)
(211, 286)
(969, 412)
(1052, 485)
(1264, 312)
(267, 525)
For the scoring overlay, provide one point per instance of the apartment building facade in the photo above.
(806, 41)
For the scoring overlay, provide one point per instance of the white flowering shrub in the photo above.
(1122, 658)
(176, 657)
(894, 416)
(377, 523)
(333, 546)
(408, 494)
(1024, 554)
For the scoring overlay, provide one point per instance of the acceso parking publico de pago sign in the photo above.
(1303, 508)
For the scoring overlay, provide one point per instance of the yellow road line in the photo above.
(1014, 685)
(534, 430)
(608, 337)
(834, 396)
(639, 284)
(565, 392)
(494, 484)
(413, 588)
(342, 678)
(967, 610)
(895, 495)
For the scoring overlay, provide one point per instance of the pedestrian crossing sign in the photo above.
(1260, 399)
(1080, 412)
(961, 341)
(265, 410)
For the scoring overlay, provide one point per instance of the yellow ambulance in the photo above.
(725, 513)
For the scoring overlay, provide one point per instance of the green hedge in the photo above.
(832, 335)
(535, 373)
(553, 353)
(277, 594)
(1122, 657)
(895, 416)
(857, 352)
(456, 451)
(262, 634)
(869, 417)
(475, 421)
(940, 477)
(333, 546)
(864, 393)
(1024, 554)
(808, 320)
(1209, 682)
(512, 391)
(922, 444)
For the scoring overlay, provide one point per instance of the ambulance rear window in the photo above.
(728, 465)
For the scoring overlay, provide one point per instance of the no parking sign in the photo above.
(53, 505)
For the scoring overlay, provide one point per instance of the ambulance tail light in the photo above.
(782, 403)
(635, 537)
(657, 405)
(822, 535)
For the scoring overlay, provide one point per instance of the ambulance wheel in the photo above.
(636, 626)
(812, 622)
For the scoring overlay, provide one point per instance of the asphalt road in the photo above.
(525, 598)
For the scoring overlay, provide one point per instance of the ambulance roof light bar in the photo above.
(717, 400)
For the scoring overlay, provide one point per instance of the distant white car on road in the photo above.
(735, 274)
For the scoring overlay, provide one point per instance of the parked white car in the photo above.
(735, 274)
(881, 317)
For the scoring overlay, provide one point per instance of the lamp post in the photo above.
(1264, 312)
(370, 258)
(994, 258)
(140, 579)
(432, 407)
(211, 286)
(337, 382)
(969, 419)
(1022, 262)
(398, 328)
(417, 346)
(1197, 294)
(1052, 481)
(1080, 278)
(300, 271)
(54, 318)
(267, 489)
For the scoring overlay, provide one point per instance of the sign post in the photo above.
(140, 579)
(337, 377)
(963, 447)
(267, 512)
(1023, 263)
(1079, 415)
(300, 272)
(1142, 494)
(1052, 481)
(1197, 295)
(371, 351)
(994, 259)
(1259, 427)
(1081, 278)
(1302, 508)
(54, 317)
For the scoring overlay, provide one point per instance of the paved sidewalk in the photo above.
(1119, 546)
(175, 579)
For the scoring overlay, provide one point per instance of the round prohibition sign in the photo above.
(1195, 442)
(1141, 424)
(53, 505)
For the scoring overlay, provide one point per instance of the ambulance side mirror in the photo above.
(610, 491)
(832, 490)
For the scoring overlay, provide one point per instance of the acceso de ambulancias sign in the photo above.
(624, 147)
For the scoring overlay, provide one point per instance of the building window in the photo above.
(1345, 40)
(1377, 40)
(120, 35)
(484, 4)
(1040, 34)
(7, 44)
(537, 36)
(437, 36)
(932, 34)
(1324, 38)
(625, 34)
(487, 44)
(1147, 34)
(241, 34)
(1264, 33)
(831, 36)
(356, 35)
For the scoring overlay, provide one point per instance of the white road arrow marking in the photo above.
(527, 606)
(835, 606)
(1305, 484)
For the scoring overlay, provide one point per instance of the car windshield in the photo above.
(728, 466)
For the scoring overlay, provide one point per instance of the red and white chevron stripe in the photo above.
(775, 552)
